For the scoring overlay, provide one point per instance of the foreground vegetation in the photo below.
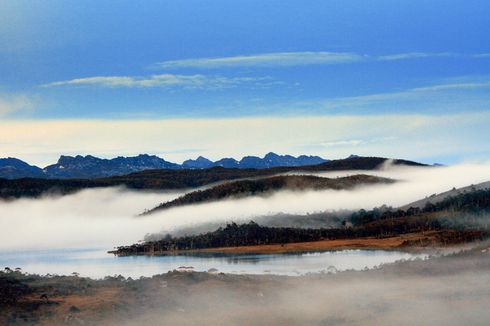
(394, 294)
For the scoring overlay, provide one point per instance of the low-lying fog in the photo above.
(446, 291)
(107, 217)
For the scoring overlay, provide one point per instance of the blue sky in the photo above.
(108, 61)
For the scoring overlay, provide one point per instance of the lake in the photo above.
(97, 263)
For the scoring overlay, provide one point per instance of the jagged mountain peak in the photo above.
(271, 155)
(13, 168)
(92, 167)
(89, 166)
(202, 159)
(199, 163)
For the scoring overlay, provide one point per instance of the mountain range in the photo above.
(12, 168)
(88, 167)
(172, 179)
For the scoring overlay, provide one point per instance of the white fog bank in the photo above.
(105, 218)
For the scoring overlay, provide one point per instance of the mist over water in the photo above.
(98, 264)
(446, 291)
(90, 218)
(103, 218)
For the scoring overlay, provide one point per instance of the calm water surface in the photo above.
(97, 263)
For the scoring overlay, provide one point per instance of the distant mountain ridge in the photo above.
(172, 179)
(270, 160)
(12, 168)
(89, 167)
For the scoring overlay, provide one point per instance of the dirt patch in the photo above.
(360, 243)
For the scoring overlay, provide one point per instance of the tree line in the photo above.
(379, 222)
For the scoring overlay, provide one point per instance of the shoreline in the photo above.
(418, 240)
(226, 299)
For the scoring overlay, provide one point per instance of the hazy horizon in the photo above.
(405, 79)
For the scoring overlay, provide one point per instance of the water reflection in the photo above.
(97, 263)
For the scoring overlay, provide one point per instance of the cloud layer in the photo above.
(467, 94)
(107, 217)
(162, 81)
(418, 137)
(276, 59)
(285, 59)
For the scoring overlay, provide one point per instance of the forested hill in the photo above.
(436, 198)
(461, 218)
(244, 188)
(169, 179)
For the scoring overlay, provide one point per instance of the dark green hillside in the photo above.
(244, 188)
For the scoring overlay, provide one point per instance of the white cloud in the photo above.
(282, 59)
(349, 142)
(162, 80)
(415, 98)
(415, 55)
(10, 104)
(453, 86)
(276, 59)
(481, 55)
